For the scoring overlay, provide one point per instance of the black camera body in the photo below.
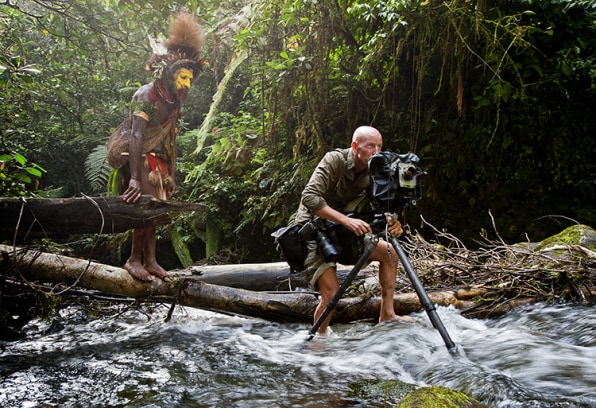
(396, 181)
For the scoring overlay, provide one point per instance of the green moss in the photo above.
(438, 397)
(409, 396)
(180, 248)
(574, 235)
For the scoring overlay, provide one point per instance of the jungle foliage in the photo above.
(496, 97)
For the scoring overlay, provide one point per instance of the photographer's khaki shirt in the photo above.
(334, 183)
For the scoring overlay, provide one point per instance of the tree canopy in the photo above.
(496, 97)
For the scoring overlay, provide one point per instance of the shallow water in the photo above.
(537, 356)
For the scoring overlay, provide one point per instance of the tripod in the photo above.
(370, 243)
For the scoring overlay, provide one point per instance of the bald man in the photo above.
(336, 188)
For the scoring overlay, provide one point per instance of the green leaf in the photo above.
(33, 171)
(20, 158)
(24, 178)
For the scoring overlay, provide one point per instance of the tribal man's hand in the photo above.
(170, 189)
(133, 192)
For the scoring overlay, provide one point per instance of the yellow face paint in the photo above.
(183, 78)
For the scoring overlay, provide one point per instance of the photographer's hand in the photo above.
(355, 225)
(394, 225)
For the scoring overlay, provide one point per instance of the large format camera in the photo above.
(395, 181)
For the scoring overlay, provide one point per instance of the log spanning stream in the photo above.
(535, 356)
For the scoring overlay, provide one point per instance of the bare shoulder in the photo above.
(145, 93)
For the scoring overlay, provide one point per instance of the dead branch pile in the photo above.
(552, 272)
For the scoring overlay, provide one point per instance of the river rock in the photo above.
(581, 235)
(389, 391)
(438, 397)
(408, 396)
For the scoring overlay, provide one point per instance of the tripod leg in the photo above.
(424, 299)
(370, 245)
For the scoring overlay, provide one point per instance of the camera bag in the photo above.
(290, 243)
(349, 245)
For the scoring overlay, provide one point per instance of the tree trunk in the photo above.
(188, 289)
(213, 237)
(44, 217)
(274, 276)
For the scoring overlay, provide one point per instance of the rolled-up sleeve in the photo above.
(322, 181)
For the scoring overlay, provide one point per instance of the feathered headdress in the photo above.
(181, 49)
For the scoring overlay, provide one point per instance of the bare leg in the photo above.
(151, 264)
(328, 287)
(387, 275)
(134, 264)
(387, 272)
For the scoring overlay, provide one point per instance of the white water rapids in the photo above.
(541, 356)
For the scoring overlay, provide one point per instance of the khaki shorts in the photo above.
(315, 265)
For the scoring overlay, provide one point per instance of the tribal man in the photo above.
(143, 147)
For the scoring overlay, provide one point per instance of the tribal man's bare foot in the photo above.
(136, 270)
(156, 270)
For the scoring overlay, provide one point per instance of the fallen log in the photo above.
(55, 217)
(273, 276)
(189, 290)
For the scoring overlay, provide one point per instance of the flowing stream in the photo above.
(537, 356)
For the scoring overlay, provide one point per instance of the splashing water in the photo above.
(537, 356)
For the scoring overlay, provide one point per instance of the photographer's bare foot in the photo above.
(156, 270)
(136, 270)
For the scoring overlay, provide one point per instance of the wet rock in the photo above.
(408, 396)
(581, 235)
(383, 391)
(438, 397)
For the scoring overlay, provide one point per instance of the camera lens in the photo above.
(408, 173)
(328, 250)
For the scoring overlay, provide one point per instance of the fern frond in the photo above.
(97, 168)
